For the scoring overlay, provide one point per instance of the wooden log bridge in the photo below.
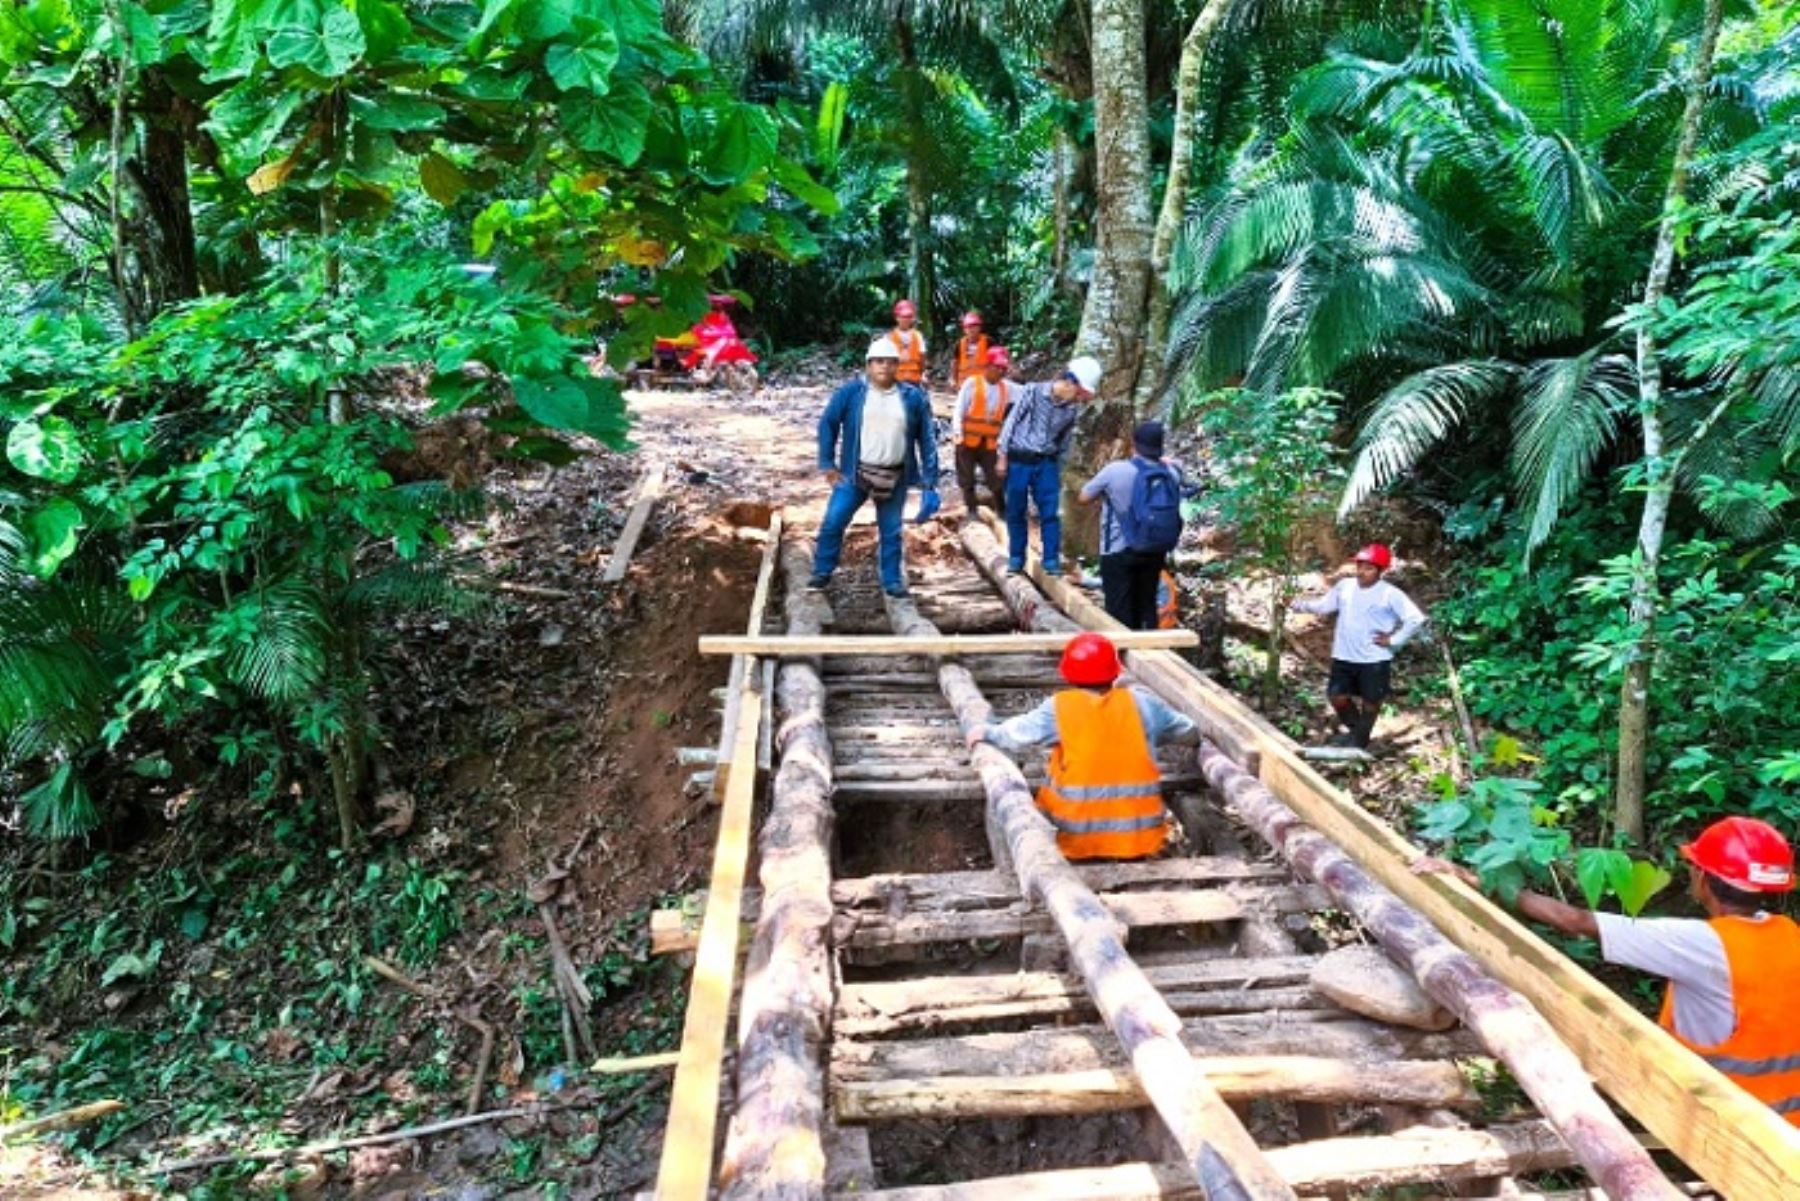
(923, 966)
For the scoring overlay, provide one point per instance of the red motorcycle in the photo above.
(710, 353)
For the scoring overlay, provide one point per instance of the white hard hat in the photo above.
(1086, 370)
(883, 348)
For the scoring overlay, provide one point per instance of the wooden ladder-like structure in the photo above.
(1007, 992)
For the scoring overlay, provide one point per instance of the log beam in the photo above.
(807, 646)
(775, 1144)
(1504, 1021)
(1220, 1154)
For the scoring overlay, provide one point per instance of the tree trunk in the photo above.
(1504, 1021)
(1174, 201)
(1634, 694)
(1112, 321)
(775, 1147)
(158, 177)
(1219, 1153)
(920, 279)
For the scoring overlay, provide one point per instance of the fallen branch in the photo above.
(483, 1057)
(578, 1032)
(534, 590)
(616, 1066)
(79, 1115)
(331, 1146)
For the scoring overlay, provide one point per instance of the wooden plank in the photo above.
(1322, 1032)
(741, 665)
(944, 644)
(685, 1173)
(1741, 1146)
(1238, 1078)
(1423, 1153)
(930, 889)
(648, 489)
(952, 1012)
(948, 791)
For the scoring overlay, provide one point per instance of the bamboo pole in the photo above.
(1504, 1021)
(775, 1144)
(1220, 1154)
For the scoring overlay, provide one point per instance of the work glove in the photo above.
(928, 507)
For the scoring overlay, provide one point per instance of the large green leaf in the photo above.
(543, 20)
(580, 405)
(248, 121)
(743, 142)
(329, 48)
(46, 449)
(54, 530)
(395, 112)
(443, 180)
(385, 28)
(584, 66)
(614, 125)
(816, 196)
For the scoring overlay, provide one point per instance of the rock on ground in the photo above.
(1364, 980)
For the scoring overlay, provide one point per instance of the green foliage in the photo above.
(1499, 827)
(1276, 470)
(1603, 873)
(1540, 652)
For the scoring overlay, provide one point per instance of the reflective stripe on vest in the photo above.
(1104, 795)
(970, 358)
(1762, 1056)
(981, 424)
(912, 356)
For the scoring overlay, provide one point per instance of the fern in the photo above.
(1569, 413)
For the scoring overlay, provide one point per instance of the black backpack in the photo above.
(1153, 522)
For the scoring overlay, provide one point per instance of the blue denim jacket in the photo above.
(843, 415)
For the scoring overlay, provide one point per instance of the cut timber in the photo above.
(807, 646)
(952, 1012)
(888, 1006)
(1423, 1153)
(1025, 601)
(947, 890)
(775, 1146)
(1130, 909)
(648, 489)
(685, 1173)
(741, 664)
(1506, 1024)
(1220, 1155)
(1238, 1078)
(1322, 1032)
(926, 792)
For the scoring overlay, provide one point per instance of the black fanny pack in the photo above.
(1026, 457)
(878, 482)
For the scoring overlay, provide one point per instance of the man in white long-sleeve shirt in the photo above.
(1374, 619)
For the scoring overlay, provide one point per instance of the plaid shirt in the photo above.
(1037, 423)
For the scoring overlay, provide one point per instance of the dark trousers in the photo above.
(1128, 580)
(987, 458)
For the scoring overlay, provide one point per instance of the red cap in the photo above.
(1745, 853)
(1377, 554)
(997, 357)
(971, 319)
(905, 308)
(1090, 659)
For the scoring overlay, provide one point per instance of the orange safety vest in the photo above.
(1104, 795)
(912, 355)
(1763, 1053)
(971, 357)
(1168, 616)
(981, 424)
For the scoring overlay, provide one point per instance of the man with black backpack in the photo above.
(1140, 523)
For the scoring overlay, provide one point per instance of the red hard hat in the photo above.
(1090, 659)
(905, 308)
(1376, 553)
(971, 318)
(1745, 853)
(997, 357)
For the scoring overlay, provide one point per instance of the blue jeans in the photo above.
(1041, 482)
(846, 499)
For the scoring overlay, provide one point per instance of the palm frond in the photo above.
(60, 644)
(1415, 416)
(1568, 414)
(415, 587)
(59, 806)
(283, 653)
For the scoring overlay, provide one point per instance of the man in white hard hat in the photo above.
(876, 440)
(1033, 441)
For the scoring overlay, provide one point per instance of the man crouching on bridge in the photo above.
(1104, 795)
(1732, 976)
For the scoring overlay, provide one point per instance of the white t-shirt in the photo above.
(1687, 952)
(883, 429)
(1363, 613)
